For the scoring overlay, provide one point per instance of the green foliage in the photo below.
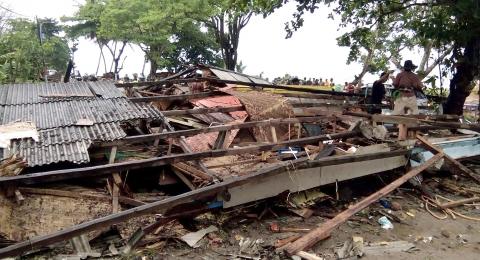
(24, 58)
(86, 20)
(165, 29)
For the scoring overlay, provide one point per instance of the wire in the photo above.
(11, 11)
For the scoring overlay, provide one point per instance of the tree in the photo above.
(24, 57)
(165, 30)
(440, 22)
(88, 24)
(227, 18)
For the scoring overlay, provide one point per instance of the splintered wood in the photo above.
(263, 106)
(12, 166)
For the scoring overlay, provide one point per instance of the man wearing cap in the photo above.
(406, 83)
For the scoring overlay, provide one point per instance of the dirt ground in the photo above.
(433, 239)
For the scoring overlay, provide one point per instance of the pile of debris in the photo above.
(197, 164)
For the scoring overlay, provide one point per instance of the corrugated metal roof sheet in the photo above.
(28, 93)
(105, 89)
(65, 143)
(36, 154)
(235, 76)
(97, 132)
(67, 113)
(55, 108)
(16, 94)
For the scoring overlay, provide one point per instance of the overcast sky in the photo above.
(311, 52)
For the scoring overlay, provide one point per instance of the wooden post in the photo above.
(170, 143)
(402, 132)
(117, 181)
(274, 134)
(220, 141)
(327, 227)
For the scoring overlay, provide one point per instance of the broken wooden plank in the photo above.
(326, 228)
(184, 179)
(454, 165)
(192, 132)
(202, 110)
(192, 171)
(100, 170)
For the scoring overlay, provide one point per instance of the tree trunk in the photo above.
(461, 83)
(153, 68)
(365, 68)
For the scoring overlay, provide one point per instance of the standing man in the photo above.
(404, 97)
(378, 93)
(405, 84)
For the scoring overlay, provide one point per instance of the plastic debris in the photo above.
(385, 223)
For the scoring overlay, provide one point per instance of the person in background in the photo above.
(326, 83)
(345, 87)
(405, 84)
(378, 93)
(320, 82)
(358, 88)
(331, 82)
(351, 88)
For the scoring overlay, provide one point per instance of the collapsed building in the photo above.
(110, 153)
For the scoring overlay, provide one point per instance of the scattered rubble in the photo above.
(199, 166)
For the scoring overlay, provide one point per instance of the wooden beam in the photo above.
(312, 96)
(457, 203)
(202, 111)
(327, 227)
(175, 97)
(184, 179)
(431, 117)
(80, 195)
(192, 171)
(166, 204)
(192, 132)
(453, 164)
(172, 80)
(455, 125)
(100, 170)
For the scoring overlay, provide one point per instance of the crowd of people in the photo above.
(348, 87)
(288, 80)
